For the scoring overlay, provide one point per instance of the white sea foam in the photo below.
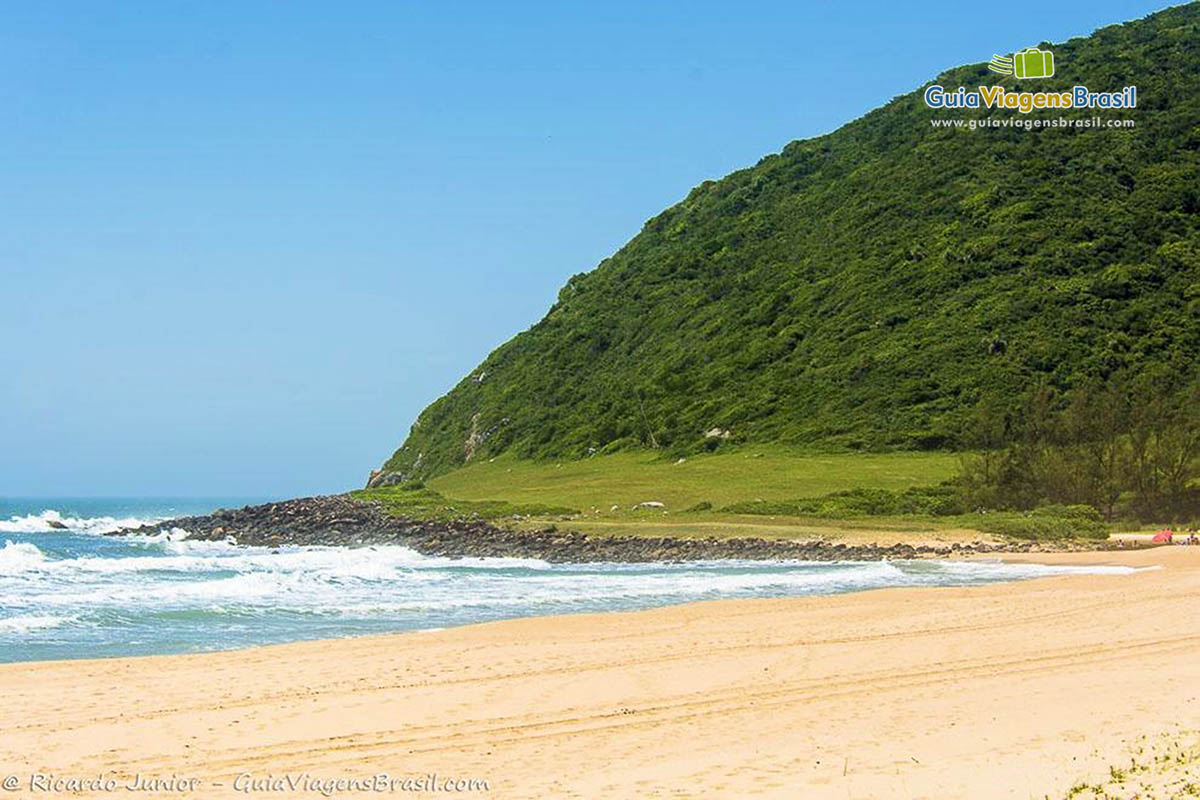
(1003, 571)
(26, 623)
(363, 564)
(19, 556)
(168, 588)
(391, 580)
(51, 520)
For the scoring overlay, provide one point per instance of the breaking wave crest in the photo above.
(52, 520)
(68, 595)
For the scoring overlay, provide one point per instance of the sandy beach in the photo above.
(1008, 690)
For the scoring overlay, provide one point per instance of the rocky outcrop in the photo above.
(342, 520)
(381, 477)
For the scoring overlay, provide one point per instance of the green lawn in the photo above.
(624, 479)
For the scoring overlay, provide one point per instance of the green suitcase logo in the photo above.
(1033, 63)
(1029, 63)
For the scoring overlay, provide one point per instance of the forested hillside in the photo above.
(865, 289)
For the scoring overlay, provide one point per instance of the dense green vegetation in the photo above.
(867, 288)
(1128, 448)
(1047, 523)
(1043, 523)
(938, 501)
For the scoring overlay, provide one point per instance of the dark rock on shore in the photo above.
(342, 520)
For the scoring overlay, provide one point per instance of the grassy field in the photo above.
(751, 492)
(625, 479)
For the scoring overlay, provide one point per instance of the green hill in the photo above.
(866, 288)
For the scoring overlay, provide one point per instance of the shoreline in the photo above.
(1061, 558)
(1002, 690)
(338, 520)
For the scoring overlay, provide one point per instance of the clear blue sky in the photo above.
(243, 244)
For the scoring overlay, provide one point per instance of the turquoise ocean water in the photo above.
(75, 593)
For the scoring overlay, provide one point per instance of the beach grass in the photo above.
(1162, 766)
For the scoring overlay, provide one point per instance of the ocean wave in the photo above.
(26, 623)
(51, 520)
(362, 564)
(171, 588)
(389, 555)
(996, 570)
(19, 557)
(381, 562)
(371, 582)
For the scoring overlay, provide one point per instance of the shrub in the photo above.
(929, 500)
(1045, 524)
